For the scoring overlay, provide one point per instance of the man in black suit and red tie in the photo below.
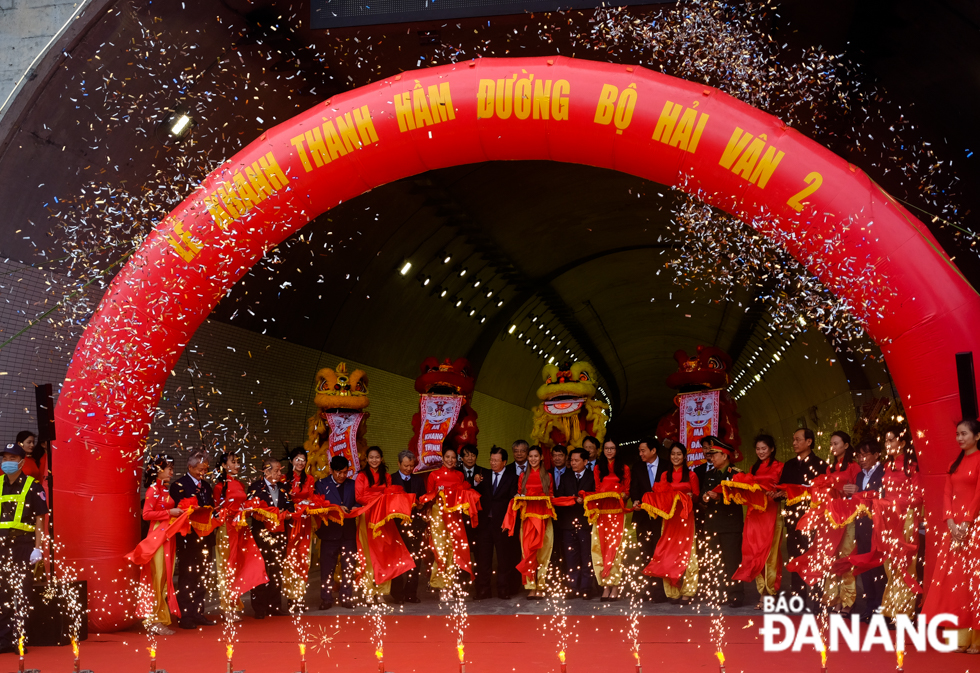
(194, 553)
(496, 492)
(574, 525)
(644, 475)
(405, 587)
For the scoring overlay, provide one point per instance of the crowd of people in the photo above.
(546, 523)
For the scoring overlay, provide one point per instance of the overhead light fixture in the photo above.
(426, 281)
(521, 335)
(775, 356)
(446, 257)
(483, 319)
(500, 303)
(459, 302)
(534, 318)
(489, 293)
(462, 272)
(758, 377)
(476, 283)
(472, 312)
(444, 292)
(512, 328)
(406, 267)
(179, 124)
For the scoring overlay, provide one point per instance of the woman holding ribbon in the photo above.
(607, 513)
(382, 550)
(297, 568)
(239, 563)
(157, 600)
(831, 522)
(955, 586)
(763, 530)
(450, 497)
(675, 558)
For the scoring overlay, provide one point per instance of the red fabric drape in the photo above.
(607, 513)
(673, 502)
(383, 506)
(245, 564)
(534, 507)
(760, 520)
(457, 498)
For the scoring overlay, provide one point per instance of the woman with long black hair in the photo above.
(606, 509)
(675, 558)
(35, 458)
(383, 554)
(763, 529)
(297, 567)
(955, 585)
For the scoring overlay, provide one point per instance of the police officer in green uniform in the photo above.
(22, 510)
(723, 523)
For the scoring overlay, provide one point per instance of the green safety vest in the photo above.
(19, 498)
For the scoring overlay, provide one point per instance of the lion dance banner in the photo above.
(343, 437)
(699, 417)
(439, 414)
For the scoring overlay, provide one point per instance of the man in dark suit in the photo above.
(575, 526)
(194, 553)
(868, 479)
(473, 474)
(723, 523)
(338, 541)
(271, 540)
(591, 446)
(802, 469)
(644, 475)
(405, 587)
(496, 492)
(517, 468)
(559, 468)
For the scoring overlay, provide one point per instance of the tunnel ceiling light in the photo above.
(483, 319)
(500, 303)
(462, 272)
(534, 318)
(472, 311)
(444, 292)
(180, 124)
(489, 293)
(551, 360)
(775, 357)
(512, 328)
(476, 283)
(426, 281)
(528, 342)
(459, 302)
(758, 377)
(446, 258)
(521, 335)
(406, 267)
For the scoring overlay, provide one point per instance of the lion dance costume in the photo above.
(568, 412)
(340, 424)
(445, 414)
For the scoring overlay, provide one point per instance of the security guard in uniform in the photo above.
(22, 510)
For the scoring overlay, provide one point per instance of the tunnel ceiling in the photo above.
(573, 246)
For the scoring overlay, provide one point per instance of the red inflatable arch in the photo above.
(614, 116)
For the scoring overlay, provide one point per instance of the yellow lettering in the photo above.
(301, 152)
(246, 192)
(259, 182)
(272, 171)
(365, 126)
(185, 246)
(420, 107)
(624, 108)
(232, 202)
(348, 132)
(542, 99)
(441, 103)
(682, 134)
(698, 130)
(504, 100)
(813, 180)
(484, 99)
(403, 110)
(332, 139)
(607, 107)
(734, 147)
(559, 102)
(749, 157)
(764, 169)
(319, 151)
(218, 213)
(522, 99)
(666, 122)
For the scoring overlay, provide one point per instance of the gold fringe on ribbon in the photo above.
(376, 527)
(519, 503)
(593, 514)
(656, 511)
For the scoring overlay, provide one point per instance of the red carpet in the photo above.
(523, 644)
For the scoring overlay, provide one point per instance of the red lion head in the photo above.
(705, 371)
(447, 378)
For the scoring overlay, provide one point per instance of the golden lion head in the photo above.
(340, 390)
(568, 381)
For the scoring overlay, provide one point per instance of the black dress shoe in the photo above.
(325, 606)
(260, 615)
(504, 597)
(203, 620)
(736, 603)
(188, 624)
(347, 604)
(413, 599)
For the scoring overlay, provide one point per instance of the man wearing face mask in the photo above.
(22, 510)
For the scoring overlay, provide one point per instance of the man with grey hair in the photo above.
(405, 587)
(194, 555)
